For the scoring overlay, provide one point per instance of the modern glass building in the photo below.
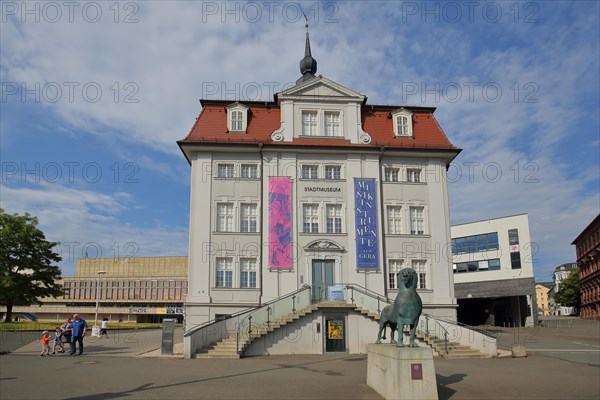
(493, 272)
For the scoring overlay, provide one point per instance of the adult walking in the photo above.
(67, 331)
(79, 327)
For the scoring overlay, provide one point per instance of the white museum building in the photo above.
(302, 211)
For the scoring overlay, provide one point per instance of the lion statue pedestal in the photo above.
(393, 371)
(401, 373)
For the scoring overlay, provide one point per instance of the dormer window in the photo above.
(310, 123)
(403, 125)
(237, 118)
(332, 124)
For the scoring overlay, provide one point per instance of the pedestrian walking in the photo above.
(45, 344)
(67, 330)
(58, 341)
(79, 328)
(104, 327)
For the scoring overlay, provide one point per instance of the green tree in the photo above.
(568, 292)
(26, 258)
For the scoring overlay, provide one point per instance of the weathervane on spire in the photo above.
(308, 65)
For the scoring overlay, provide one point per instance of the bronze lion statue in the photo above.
(406, 309)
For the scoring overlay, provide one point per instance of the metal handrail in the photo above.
(379, 298)
(196, 328)
(268, 306)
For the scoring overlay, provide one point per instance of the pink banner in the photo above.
(280, 222)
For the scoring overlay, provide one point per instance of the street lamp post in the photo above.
(98, 273)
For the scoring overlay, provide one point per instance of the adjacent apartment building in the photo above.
(587, 245)
(542, 289)
(560, 273)
(317, 187)
(493, 272)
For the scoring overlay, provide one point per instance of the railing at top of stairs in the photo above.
(270, 311)
(440, 329)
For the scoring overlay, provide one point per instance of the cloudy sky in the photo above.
(95, 95)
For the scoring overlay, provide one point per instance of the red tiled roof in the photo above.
(264, 118)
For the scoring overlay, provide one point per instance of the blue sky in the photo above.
(95, 95)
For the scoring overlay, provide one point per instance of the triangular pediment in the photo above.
(323, 245)
(321, 88)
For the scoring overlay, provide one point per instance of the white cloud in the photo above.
(175, 50)
(89, 222)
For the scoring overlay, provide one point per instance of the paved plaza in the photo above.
(563, 363)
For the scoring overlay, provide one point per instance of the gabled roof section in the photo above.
(322, 89)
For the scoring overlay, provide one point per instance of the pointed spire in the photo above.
(308, 65)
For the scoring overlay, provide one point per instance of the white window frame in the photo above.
(248, 271)
(422, 270)
(311, 218)
(337, 172)
(394, 219)
(331, 126)
(310, 126)
(225, 220)
(335, 217)
(224, 272)
(226, 170)
(403, 122)
(245, 168)
(391, 174)
(394, 267)
(310, 167)
(237, 125)
(415, 222)
(249, 218)
(414, 175)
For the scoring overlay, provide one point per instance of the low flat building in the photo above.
(136, 289)
(493, 272)
(587, 245)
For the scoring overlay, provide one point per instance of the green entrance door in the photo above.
(322, 277)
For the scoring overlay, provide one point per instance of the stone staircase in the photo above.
(228, 347)
(455, 350)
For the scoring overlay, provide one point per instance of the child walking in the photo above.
(58, 341)
(45, 344)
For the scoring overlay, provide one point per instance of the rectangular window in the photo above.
(513, 236)
(248, 218)
(249, 171)
(310, 218)
(403, 128)
(416, 221)
(476, 243)
(332, 124)
(225, 217)
(333, 172)
(390, 174)
(515, 260)
(226, 171)
(475, 266)
(310, 123)
(309, 171)
(247, 272)
(413, 175)
(334, 218)
(394, 267)
(224, 272)
(394, 220)
(237, 121)
(420, 267)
